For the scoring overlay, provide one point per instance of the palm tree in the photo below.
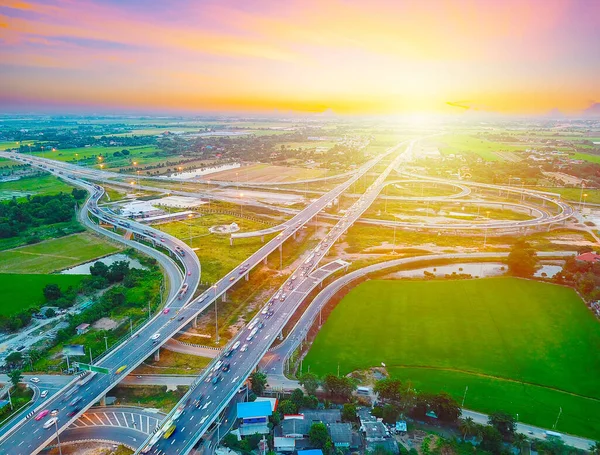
(520, 441)
(467, 427)
(595, 449)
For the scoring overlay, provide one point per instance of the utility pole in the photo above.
(106, 342)
(91, 356)
(130, 327)
(557, 417)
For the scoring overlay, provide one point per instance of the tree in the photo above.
(298, 398)
(595, 449)
(504, 423)
(467, 427)
(287, 407)
(318, 435)
(52, 291)
(390, 413)
(50, 313)
(388, 389)
(310, 382)
(520, 441)
(230, 440)
(99, 268)
(14, 358)
(522, 259)
(340, 387)
(491, 439)
(78, 194)
(15, 377)
(259, 382)
(349, 412)
(446, 407)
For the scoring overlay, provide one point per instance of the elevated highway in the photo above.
(149, 338)
(215, 387)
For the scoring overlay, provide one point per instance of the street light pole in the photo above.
(106, 342)
(58, 437)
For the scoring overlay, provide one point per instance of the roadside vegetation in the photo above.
(39, 217)
(156, 397)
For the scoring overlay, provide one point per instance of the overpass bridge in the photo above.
(215, 388)
(26, 438)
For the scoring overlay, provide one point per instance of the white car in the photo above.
(156, 336)
(244, 348)
(235, 345)
(50, 422)
(35, 380)
(44, 394)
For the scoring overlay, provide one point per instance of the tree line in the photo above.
(36, 211)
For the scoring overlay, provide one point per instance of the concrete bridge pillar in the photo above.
(294, 235)
(247, 276)
(103, 400)
(157, 355)
(224, 297)
(195, 322)
(262, 238)
(265, 260)
(230, 241)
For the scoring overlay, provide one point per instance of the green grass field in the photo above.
(573, 194)
(520, 346)
(213, 250)
(24, 291)
(35, 185)
(587, 157)
(464, 143)
(56, 254)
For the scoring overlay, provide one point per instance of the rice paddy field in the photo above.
(519, 346)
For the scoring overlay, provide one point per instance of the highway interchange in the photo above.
(27, 437)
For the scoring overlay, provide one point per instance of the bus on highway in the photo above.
(169, 431)
(552, 434)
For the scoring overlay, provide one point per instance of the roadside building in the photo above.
(341, 435)
(254, 416)
(82, 328)
(295, 426)
(284, 445)
(588, 257)
(310, 452)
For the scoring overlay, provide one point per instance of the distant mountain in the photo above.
(592, 111)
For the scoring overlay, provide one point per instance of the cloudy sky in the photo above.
(354, 57)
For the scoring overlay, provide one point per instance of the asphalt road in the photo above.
(217, 387)
(25, 437)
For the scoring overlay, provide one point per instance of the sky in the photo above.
(349, 57)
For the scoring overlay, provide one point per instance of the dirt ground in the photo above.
(105, 324)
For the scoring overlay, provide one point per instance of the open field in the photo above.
(264, 173)
(87, 156)
(573, 194)
(464, 143)
(173, 363)
(587, 157)
(56, 254)
(370, 238)
(502, 334)
(34, 185)
(24, 291)
(213, 250)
